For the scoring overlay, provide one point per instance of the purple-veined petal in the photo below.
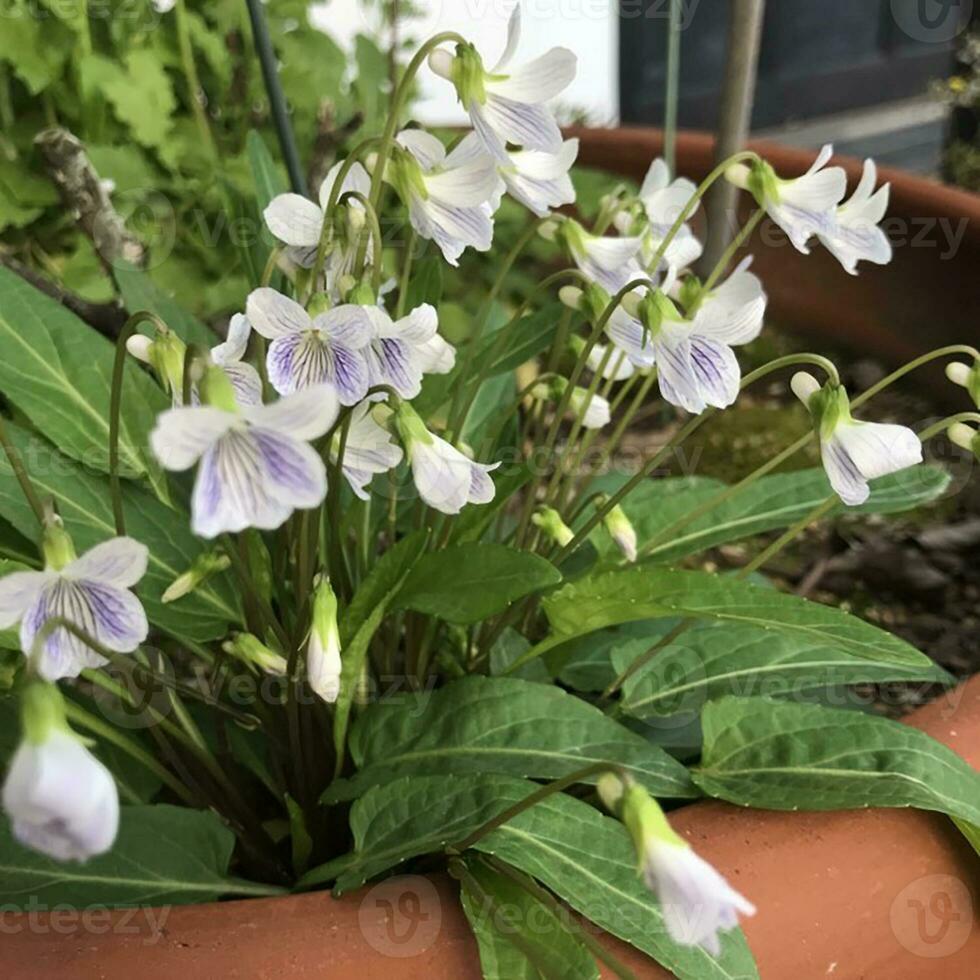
(236, 342)
(494, 142)
(394, 363)
(482, 488)
(419, 326)
(274, 315)
(716, 369)
(529, 126)
(293, 468)
(467, 186)
(245, 382)
(879, 449)
(442, 475)
(539, 80)
(120, 621)
(844, 476)
(678, 380)
(120, 562)
(182, 435)
(426, 149)
(628, 335)
(733, 312)
(349, 325)
(18, 591)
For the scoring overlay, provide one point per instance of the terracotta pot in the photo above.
(857, 895)
(925, 298)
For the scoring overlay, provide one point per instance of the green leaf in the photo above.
(627, 595)
(57, 370)
(499, 725)
(473, 522)
(785, 756)
(139, 293)
(531, 335)
(383, 579)
(709, 661)
(85, 505)
(426, 283)
(163, 855)
(471, 582)
(772, 503)
(515, 931)
(582, 856)
(269, 181)
(31, 46)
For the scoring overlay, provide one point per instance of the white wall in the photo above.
(587, 27)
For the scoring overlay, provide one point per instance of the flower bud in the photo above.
(570, 296)
(60, 799)
(165, 354)
(611, 788)
(620, 530)
(323, 664)
(252, 652)
(141, 347)
(550, 522)
(56, 544)
(216, 389)
(965, 437)
(441, 63)
(203, 567)
(966, 377)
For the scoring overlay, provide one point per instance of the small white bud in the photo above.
(570, 296)
(958, 373)
(804, 386)
(441, 62)
(140, 346)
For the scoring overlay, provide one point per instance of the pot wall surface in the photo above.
(854, 895)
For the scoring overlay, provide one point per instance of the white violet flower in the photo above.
(803, 206)
(855, 234)
(61, 801)
(312, 349)
(506, 104)
(256, 466)
(91, 592)
(368, 449)
(697, 903)
(401, 349)
(448, 201)
(853, 452)
(445, 479)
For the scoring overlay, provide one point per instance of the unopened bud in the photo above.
(621, 531)
(323, 663)
(203, 567)
(966, 377)
(570, 296)
(965, 437)
(251, 651)
(549, 520)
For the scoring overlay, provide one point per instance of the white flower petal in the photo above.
(236, 342)
(419, 326)
(120, 562)
(513, 38)
(546, 166)
(733, 312)
(18, 591)
(845, 478)
(716, 369)
(679, 383)
(357, 179)
(60, 799)
(274, 315)
(878, 449)
(467, 186)
(306, 415)
(442, 475)
(350, 325)
(183, 435)
(428, 150)
(539, 80)
(532, 127)
(246, 383)
(611, 253)
(294, 220)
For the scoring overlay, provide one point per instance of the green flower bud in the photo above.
(549, 520)
(56, 544)
(216, 389)
(252, 652)
(203, 567)
(966, 376)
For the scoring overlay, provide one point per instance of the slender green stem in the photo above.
(672, 93)
(20, 471)
(277, 101)
(374, 230)
(115, 410)
(532, 799)
(406, 277)
(943, 424)
(79, 716)
(737, 242)
(457, 412)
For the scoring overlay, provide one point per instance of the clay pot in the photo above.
(856, 895)
(926, 298)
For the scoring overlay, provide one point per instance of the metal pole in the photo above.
(277, 101)
(735, 119)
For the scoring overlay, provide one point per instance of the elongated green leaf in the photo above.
(785, 756)
(631, 594)
(582, 856)
(364, 616)
(709, 661)
(140, 292)
(515, 931)
(269, 181)
(530, 336)
(58, 371)
(163, 855)
(470, 582)
(499, 725)
(773, 502)
(383, 579)
(85, 505)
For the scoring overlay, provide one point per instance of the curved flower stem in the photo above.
(270, 266)
(326, 231)
(692, 426)
(532, 799)
(375, 233)
(410, 245)
(943, 424)
(398, 104)
(20, 471)
(79, 716)
(737, 242)
(115, 408)
(669, 532)
(456, 423)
